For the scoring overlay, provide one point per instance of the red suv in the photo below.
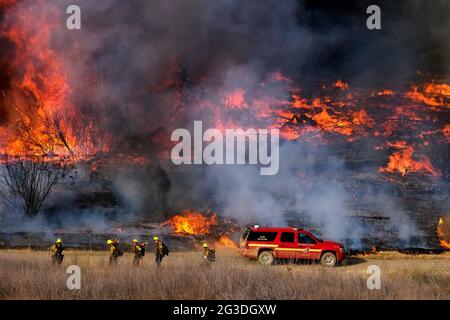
(268, 243)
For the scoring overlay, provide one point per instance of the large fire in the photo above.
(341, 85)
(43, 117)
(433, 94)
(42, 120)
(443, 232)
(201, 225)
(40, 90)
(225, 241)
(192, 223)
(402, 162)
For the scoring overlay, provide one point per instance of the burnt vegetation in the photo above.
(387, 128)
(25, 184)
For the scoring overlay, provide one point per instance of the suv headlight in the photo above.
(341, 249)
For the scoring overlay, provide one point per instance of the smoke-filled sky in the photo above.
(139, 40)
(127, 50)
(305, 39)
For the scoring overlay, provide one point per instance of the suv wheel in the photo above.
(328, 259)
(266, 258)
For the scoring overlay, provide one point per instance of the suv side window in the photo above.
(288, 237)
(303, 238)
(261, 236)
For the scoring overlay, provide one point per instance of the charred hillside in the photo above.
(86, 119)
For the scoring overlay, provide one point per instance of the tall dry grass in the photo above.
(30, 275)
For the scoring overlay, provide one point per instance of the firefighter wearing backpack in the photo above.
(208, 254)
(161, 250)
(114, 251)
(57, 250)
(205, 250)
(139, 251)
(142, 245)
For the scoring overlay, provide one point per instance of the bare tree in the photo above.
(27, 183)
(44, 132)
(55, 131)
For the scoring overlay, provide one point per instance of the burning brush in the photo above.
(443, 231)
(201, 226)
(403, 163)
(191, 223)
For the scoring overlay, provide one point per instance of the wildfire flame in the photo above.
(443, 232)
(41, 84)
(191, 223)
(341, 85)
(446, 132)
(195, 223)
(385, 92)
(43, 120)
(433, 95)
(402, 162)
(225, 241)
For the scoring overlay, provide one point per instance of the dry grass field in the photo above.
(184, 275)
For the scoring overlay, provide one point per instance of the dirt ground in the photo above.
(184, 275)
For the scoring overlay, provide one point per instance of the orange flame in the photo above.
(191, 223)
(385, 92)
(236, 100)
(42, 80)
(446, 132)
(443, 232)
(442, 89)
(398, 144)
(341, 85)
(403, 163)
(43, 121)
(225, 241)
(432, 94)
(330, 123)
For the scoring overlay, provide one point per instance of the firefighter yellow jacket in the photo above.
(159, 247)
(113, 250)
(55, 249)
(137, 249)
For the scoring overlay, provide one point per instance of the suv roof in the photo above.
(275, 229)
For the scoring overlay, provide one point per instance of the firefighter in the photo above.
(133, 245)
(114, 251)
(208, 254)
(138, 252)
(161, 250)
(142, 245)
(57, 250)
(205, 251)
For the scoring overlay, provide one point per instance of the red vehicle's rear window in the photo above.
(261, 236)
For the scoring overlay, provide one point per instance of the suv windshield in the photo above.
(318, 239)
(303, 238)
(245, 234)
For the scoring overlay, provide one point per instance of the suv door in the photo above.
(288, 246)
(309, 249)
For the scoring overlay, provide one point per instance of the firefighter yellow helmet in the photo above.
(155, 238)
(109, 241)
(58, 241)
(135, 241)
(205, 245)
